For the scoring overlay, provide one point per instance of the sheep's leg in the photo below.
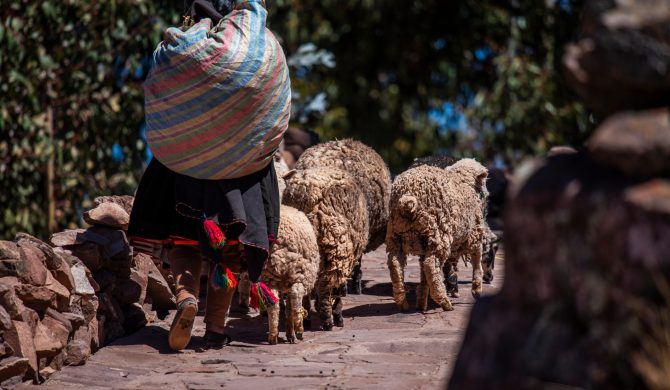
(396, 264)
(357, 278)
(243, 287)
(273, 319)
(451, 277)
(294, 313)
(338, 319)
(307, 307)
(476, 260)
(435, 278)
(422, 289)
(323, 294)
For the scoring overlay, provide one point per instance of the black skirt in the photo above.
(169, 205)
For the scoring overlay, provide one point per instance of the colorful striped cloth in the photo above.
(218, 99)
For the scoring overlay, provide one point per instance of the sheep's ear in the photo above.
(288, 174)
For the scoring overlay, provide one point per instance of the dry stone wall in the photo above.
(61, 301)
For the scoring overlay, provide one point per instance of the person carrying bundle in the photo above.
(217, 104)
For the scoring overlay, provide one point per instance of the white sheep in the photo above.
(437, 215)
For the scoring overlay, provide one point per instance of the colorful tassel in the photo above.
(216, 237)
(222, 279)
(261, 297)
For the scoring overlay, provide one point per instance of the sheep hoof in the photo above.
(447, 306)
(477, 293)
(298, 335)
(339, 322)
(488, 277)
(455, 294)
(403, 306)
(327, 327)
(422, 309)
(272, 339)
(290, 338)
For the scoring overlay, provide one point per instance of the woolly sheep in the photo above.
(489, 241)
(336, 208)
(291, 269)
(436, 214)
(370, 174)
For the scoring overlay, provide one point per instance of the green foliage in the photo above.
(61, 56)
(397, 61)
(398, 66)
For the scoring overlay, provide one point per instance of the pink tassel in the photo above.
(216, 237)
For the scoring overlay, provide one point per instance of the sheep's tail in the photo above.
(408, 206)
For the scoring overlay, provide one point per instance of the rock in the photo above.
(5, 349)
(52, 259)
(81, 284)
(587, 268)
(20, 338)
(157, 288)
(25, 263)
(47, 344)
(125, 201)
(13, 367)
(128, 291)
(38, 298)
(105, 279)
(8, 298)
(622, 60)
(135, 317)
(94, 327)
(86, 306)
(75, 319)
(58, 329)
(79, 348)
(108, 214)
(68, 237)
(5, 319)
(62, 293)
(63, 273)
(113, 243)
(89, 254)
(636, 143)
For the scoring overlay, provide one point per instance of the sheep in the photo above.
(436, 214)
(336, 208)
(371, 175)
(291, 269)
(489, 241)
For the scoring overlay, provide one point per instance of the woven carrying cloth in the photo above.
(218, 98)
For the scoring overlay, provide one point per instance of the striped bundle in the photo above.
(218, 98)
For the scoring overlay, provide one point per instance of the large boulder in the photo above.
(621, 61)
(586, 283)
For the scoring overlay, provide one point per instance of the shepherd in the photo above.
(217, 103)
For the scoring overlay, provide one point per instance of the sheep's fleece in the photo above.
(292, 270)
(436, 214)
(336, 208)
(295, 254)
(368, 170)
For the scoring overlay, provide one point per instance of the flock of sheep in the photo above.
(339, 203)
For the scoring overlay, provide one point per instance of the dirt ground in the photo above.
(378, 347)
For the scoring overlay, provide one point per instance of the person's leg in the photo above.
(185, 263)
(219, 300)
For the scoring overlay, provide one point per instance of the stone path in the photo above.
(377, 348)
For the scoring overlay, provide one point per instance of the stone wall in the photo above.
(59, 303)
